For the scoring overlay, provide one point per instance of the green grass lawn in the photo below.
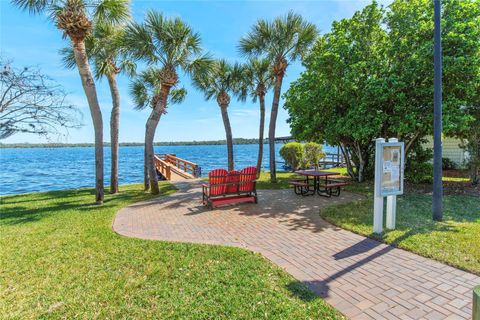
(60, 259)
(455, 241)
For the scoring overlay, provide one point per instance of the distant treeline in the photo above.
(128, 144)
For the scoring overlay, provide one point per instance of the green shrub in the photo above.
(292, 153)
(448, 164)
(419, 173)
(312, 154)
(418, 167)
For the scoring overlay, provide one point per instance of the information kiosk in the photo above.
(389, 162)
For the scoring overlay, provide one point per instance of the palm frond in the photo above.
(33, 6)
(287, 37)
(68, 57)
(112, 12)
(177, 96)
(221, 76)
(128, 67)
(144, 87)
(139, 94)
(199, 66)
(139, 40)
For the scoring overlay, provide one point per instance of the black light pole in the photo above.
(437, 116)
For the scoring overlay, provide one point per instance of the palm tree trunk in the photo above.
(91, 93)
(150, 129)
(228, 132)
(146, 181)
(114, 129)
(260, 134)
(271, 130)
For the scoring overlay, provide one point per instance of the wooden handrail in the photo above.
(182, 164)
(166, 163)
(163, 167)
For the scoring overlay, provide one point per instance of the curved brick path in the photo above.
(360, 277)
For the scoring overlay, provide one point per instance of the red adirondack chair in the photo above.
(248, 176)
(216, 183)
(230, 187)
(233, 178)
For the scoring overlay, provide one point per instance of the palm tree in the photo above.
(222, 79)
(105, 49)
(256, 81)
(145, 91)
(171, 45)
(76, 18)
(281, 41)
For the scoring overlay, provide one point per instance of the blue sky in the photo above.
(34, 40)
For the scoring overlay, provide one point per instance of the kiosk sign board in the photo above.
(392, 169)
(389, 160)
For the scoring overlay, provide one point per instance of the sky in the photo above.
(33, 40)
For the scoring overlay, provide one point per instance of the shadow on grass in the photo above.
(28, 208)
(302, 291)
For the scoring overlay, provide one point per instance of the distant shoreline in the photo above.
(127, 144)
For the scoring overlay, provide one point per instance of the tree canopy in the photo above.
(372, 76)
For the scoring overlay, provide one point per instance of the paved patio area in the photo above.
(360, 277)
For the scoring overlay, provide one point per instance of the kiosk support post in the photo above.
(391, 211)
(378, 198)
(391, 204)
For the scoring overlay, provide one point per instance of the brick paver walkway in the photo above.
(360, 277)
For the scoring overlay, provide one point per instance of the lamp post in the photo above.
(437, 116)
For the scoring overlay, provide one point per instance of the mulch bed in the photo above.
(449, 187)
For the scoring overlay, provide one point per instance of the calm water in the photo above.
(45, 169)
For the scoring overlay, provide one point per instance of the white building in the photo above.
(451, 149)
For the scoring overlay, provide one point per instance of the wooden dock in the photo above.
(170, 167)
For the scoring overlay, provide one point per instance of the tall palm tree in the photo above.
(219, 83)
(145, 91)
(281, 41)
(256, 81)
(76, 18)
(171, 45)
(104, 46)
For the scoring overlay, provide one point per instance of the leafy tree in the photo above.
(281, 41)
(31, 102)
(170, 45)
(410, 76)
(312, 154)
(372, 76)
(337, 98)
(462, 60)
(256, 81)
(76, 18)
(292, 153)
(106, 50)
(222, 80)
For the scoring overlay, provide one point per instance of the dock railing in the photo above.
(182, 164)
(179, 166)
(162, 167)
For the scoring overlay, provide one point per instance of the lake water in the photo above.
(44, 169)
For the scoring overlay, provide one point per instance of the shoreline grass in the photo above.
(60, 258)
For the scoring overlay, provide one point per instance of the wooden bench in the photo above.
(226, 187)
